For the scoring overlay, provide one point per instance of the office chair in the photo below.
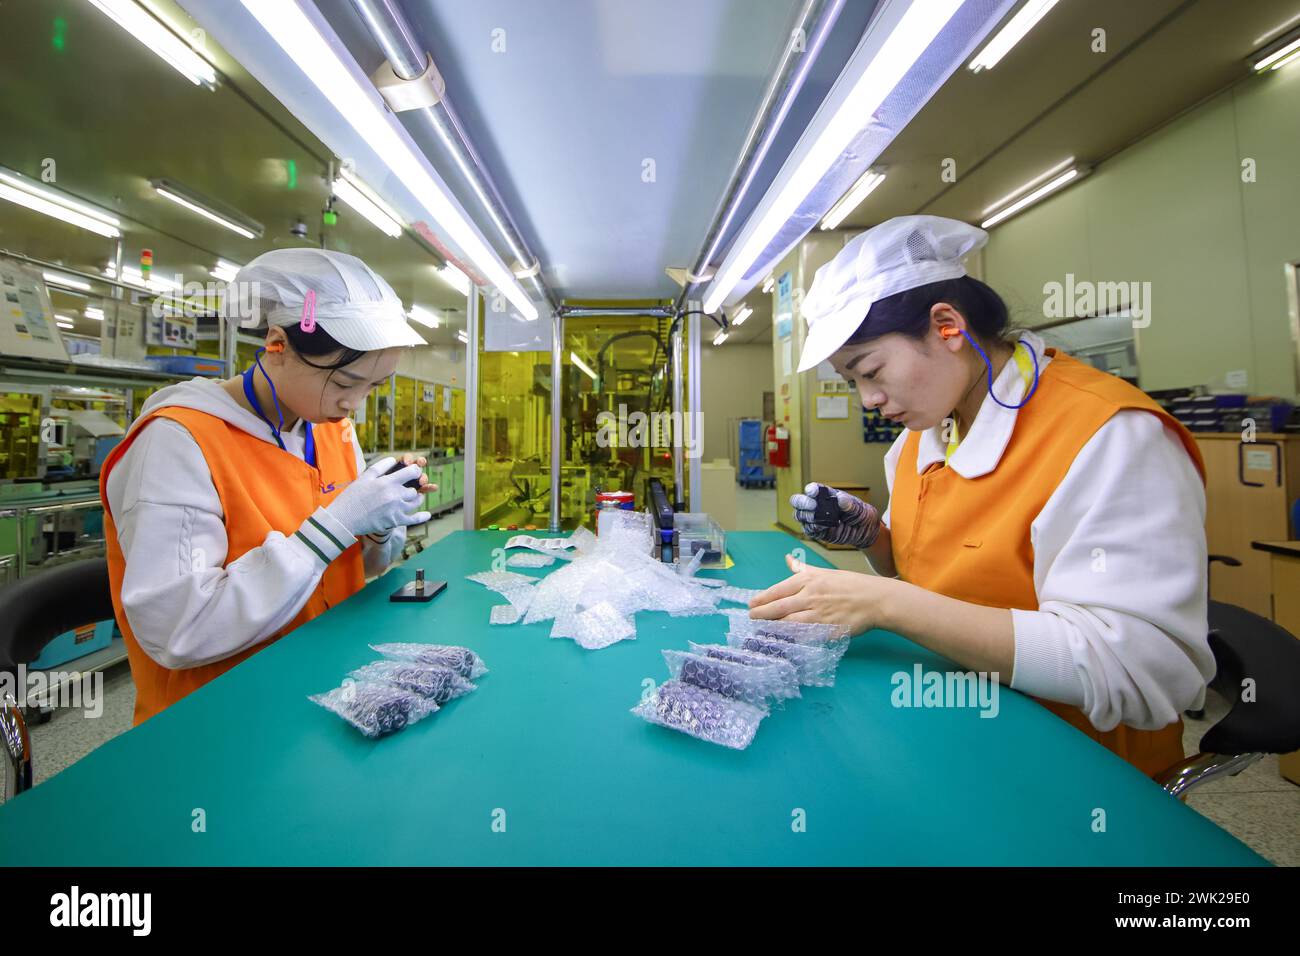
(1265, 714)
(34, 611)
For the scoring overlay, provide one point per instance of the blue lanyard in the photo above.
(309, 450)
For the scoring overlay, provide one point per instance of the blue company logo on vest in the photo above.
(75, 909)
(326, 489)
(923, 688)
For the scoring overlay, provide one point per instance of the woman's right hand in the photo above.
(376, 502)
(858, 523)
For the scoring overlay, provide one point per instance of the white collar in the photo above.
(982, 446)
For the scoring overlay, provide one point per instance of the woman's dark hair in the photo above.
(318, 342)
(908, 313)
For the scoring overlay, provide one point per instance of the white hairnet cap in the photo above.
(899, 254)
(354, 305)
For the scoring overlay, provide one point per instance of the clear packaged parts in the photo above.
(814, 665)
(753, 682)
(434, 681)
(702, 713)
(375, 709)
(789, 674)
(460, 659)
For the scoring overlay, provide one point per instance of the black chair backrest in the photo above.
(1246, 645)
(40, 607)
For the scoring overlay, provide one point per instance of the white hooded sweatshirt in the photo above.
(184, 607)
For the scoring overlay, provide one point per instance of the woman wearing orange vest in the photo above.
(1045, 519)
(237, 510)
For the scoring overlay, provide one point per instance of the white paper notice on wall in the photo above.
(1235, 378)
(1259, 459)
(446, 399)
(429, 393)
(832, 406)
(787, 357)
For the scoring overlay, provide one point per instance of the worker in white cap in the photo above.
(236, 510)
(1045, 519)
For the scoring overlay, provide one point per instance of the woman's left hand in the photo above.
(826, 596)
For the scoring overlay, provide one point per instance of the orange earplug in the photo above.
(275, 347)
(949, 332)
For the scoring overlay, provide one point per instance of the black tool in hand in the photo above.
(828, 507)
(413, 483)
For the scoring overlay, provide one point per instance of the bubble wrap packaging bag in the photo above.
(753, 683)
(601, 626)
(815, 665)
(434, 681)
(530, 559)
(788, 673)
(796, 632)
(375, 709)
(701, 713)
(460, 659)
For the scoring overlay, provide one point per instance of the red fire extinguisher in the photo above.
(778, 446)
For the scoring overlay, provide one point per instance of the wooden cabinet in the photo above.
(1250, 487)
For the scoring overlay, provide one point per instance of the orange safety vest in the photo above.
(262, 489)
(968, 538)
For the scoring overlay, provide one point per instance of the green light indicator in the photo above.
(292, 168)
(58, 40)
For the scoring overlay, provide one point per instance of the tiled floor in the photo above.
(1258, 806)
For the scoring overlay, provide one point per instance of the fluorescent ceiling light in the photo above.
(853, 198)
(133, 276)
(740, 317)
(1011, 34)
(371, 208)
(186, 197)
(163, 40)
(92, 313)
(582, 365)
(1020, 190)
(720, 338)
(295, 28)
(1279, 58)
(64, 325)
(897, 53)
(463, 336)
(66, 282)
(17, 188)
(457, 279)
(225, 271)
(769, 283)
(423, 316)
(64, 318)
(1040, 193)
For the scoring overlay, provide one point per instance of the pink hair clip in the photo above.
(308, 322)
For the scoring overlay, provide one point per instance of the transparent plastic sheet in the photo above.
(754, 683)
(375, 709)
(434, 681)
(738, 595)
(583, 540)
(631, 530)
(815, 665)
(504, 614)
(530, 559)
(460, 659)
(702, 714)
(787, 673)
(601, 626)
(501, 581)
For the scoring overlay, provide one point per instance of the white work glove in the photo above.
(857, 523)
(376, 502)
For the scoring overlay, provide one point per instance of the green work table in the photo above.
(547, 747)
